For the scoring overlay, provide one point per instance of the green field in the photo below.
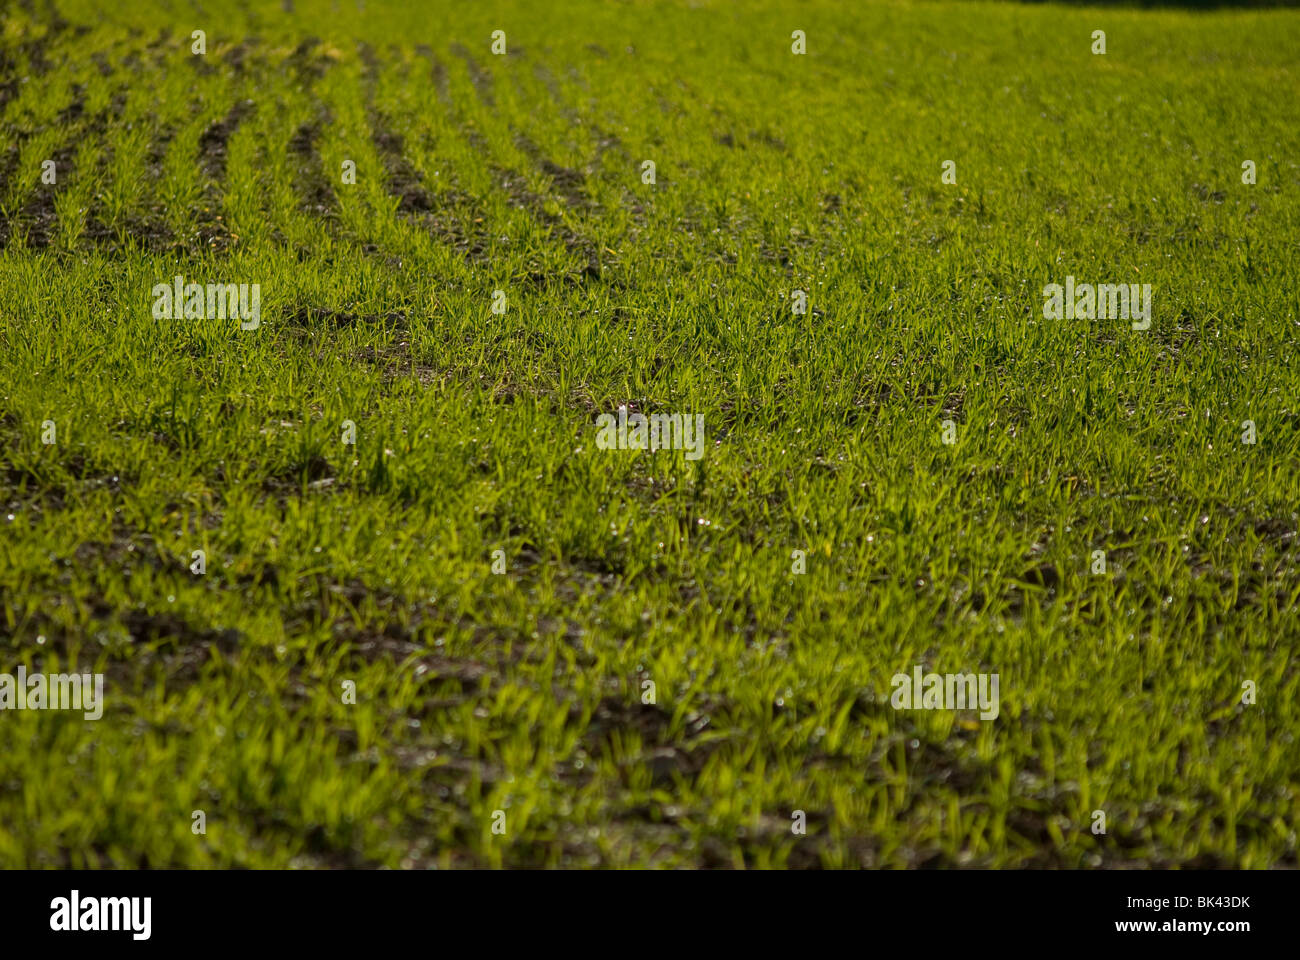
(651, 681)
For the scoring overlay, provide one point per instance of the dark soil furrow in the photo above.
(307, 63)
(213, 141)
(313, 188)
(453, 217)
(569, 183)
(212, 233)
(479, 77)
(147, 230)
(441, 85)
(38, 213)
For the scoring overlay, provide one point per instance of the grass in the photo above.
(523, 692)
